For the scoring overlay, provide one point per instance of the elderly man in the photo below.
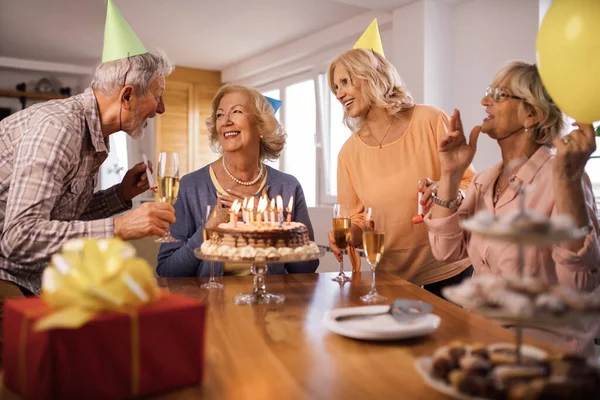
(50, 155)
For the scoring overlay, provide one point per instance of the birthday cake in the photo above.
(263, 235)
(256, 237)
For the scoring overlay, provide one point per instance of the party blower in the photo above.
(153, 186)
(417, 219)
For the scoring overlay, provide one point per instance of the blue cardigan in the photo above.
(196, 191)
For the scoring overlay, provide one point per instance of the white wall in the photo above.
(407, 51)
(487, 34)
(439, 55)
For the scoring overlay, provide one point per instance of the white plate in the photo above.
(423, 366)
(381, 327)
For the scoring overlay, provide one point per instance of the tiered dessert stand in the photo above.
(522, 239)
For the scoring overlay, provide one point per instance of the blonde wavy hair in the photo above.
(525, 82)
(380, 83)
(272, 134)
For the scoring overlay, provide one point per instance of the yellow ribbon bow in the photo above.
(90, 276)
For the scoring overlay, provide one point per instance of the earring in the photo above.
(526, 130)
(261, 137)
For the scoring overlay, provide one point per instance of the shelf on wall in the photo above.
(23, 96)
(31, 95)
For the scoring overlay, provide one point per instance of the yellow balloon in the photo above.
(568, 55)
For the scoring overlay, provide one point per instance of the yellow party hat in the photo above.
(370, 39)
(120, 41)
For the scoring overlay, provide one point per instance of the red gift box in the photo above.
(114, 356)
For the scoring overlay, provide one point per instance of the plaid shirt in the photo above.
(50, 155)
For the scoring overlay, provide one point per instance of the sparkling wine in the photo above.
(168, 188)
(373, 242)
(341, 232)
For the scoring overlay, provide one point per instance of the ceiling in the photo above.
(209, 34)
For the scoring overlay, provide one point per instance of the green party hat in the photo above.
(120, 41)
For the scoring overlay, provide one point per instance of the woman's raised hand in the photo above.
(455, 153)
(573, 151)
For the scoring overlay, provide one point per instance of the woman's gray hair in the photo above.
(525, 82)
(141, 69)
(272, 134)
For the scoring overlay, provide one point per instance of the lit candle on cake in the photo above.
(245, 210)
(266, 205)
(280, 210)
(272, 211)
(262, 205)
(233, 217)
(251, 210)
(289, 210)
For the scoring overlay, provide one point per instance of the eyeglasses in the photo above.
(498, 94)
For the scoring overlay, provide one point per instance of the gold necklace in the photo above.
(383, 138)
(499, 190)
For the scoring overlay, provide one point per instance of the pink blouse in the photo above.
(553, 264)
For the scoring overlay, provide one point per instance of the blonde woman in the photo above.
(393, 144)
(245, 132)
(526, 124)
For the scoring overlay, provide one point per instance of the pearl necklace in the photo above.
(236, 180)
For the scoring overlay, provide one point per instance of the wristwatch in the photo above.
(447, 203)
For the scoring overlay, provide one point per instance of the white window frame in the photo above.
(322, 133)
(325, 134)
(281, 85)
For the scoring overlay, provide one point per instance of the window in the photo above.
(335, 135)
(113, 169)
(274, 94)
(300, 124)
(592, 168)
(314, 140)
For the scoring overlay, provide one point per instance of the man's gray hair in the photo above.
(141, 70)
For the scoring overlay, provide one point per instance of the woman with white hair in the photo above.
(393, 144)
(245, 132)
(527, 125)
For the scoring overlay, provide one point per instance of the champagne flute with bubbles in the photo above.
(373, 242)
(212, 283)
(341, 234)
(168, 185)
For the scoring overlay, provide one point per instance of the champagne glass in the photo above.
(373, 242)
(212, 283)
(168, 185)
(341, 234)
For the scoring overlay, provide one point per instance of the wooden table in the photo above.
(285, 352)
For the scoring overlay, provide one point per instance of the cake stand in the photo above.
(259, 267)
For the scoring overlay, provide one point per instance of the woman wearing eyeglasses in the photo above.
(527, 126)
